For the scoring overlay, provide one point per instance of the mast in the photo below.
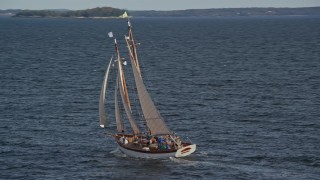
(133, 46)
(124, 93)
(122, 77)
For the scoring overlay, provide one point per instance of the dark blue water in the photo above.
(245, 90)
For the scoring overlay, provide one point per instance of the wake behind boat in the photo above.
(156, 140)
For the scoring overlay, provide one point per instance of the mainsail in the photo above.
(102, 113)
(152, 116)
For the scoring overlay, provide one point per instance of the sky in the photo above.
(152, 4)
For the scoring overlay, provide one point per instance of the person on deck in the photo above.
(168, 142)
(153, 140)
(159, 142)
(178, 141)
(125, 141)
(148, 138)
(122, 139)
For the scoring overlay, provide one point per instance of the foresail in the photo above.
(102, 113)
(133, 123)
(119, 123)
(154, 121)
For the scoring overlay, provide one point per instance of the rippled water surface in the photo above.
(245, 90)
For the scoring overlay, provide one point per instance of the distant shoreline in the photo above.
(54, 17)
(113, 13)
(229, 12)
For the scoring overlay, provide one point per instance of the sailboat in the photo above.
(155, 140)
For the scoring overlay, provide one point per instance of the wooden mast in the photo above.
(122, 77)
(124, 93)
(133, 46)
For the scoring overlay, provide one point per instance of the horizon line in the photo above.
(159, 10)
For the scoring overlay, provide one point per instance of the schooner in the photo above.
(156, 140)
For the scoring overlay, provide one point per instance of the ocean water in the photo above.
(245, 90)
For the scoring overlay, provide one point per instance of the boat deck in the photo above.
(142, 146)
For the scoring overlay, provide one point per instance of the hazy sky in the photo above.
(152, 4)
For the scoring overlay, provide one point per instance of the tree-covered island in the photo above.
(95, 12)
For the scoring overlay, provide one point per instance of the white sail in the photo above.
(120, 127)
(102, 113)
(153, 118)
